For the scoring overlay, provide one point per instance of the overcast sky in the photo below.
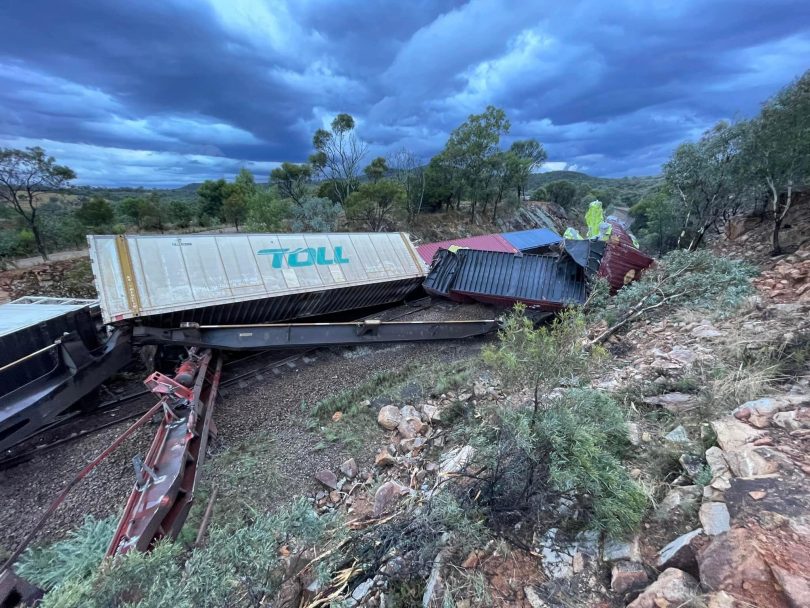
(173, 91)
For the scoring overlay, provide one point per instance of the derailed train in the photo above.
(241, 290)
(52, 352)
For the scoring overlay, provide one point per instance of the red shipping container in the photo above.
(485, 242)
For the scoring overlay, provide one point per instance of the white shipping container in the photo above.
(139, 276)
(29, 311)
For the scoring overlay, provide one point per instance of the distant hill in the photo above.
(621, 190)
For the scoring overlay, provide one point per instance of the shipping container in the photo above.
(544, 282)
(532, 241)
(485, 242)
(622, 262)
(249, 278)
(29, 325)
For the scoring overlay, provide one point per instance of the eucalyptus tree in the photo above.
(707, 178)
(777, 150)
(470, 149)
(292, 180)
(25, 176)
(338, 155)
(526, 156)
(407, 169)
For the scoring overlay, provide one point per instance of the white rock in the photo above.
(362, 590)
(431, 413)
(409, 411)
(674, 402)
(787, 420)
(717, 461)
(533, 599)
(714, 518)
(456, 460)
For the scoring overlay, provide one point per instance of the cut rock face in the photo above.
(732, 562)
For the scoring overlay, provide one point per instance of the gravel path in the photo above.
(264, 408)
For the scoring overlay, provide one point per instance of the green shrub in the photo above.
(563, 442)
(241, 567)
(585, 435)
(77, 556)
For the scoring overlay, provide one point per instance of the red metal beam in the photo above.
(165, 482)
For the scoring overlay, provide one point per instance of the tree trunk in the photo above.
(39, 241)
(777, 226)
(698, 238)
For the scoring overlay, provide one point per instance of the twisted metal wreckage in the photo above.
(209, 294)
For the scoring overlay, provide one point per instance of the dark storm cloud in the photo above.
(166, 92)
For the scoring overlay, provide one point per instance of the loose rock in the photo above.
(389, 417)
(673, 402)
(673, 588)
(677, 435)
(714, 518)
(680, 553)
(626, 576)
(384, 459)
(349, 468)
(534, 599)
(621, 550)
(387, 495)
(410, 426)
(456, 460)
(431, 413)
(327, 478)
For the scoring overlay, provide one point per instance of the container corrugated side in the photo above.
(546, 282)
(542, 281)
(145, 276)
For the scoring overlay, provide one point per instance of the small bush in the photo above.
(241, 567)
(77, 556)
(315, 215)
(563, 442)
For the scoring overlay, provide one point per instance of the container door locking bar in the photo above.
(297, 335)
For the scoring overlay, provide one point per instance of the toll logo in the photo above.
(305, 256)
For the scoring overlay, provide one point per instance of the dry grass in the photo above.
(729, 387)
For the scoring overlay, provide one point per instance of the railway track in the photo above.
(236, 372)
